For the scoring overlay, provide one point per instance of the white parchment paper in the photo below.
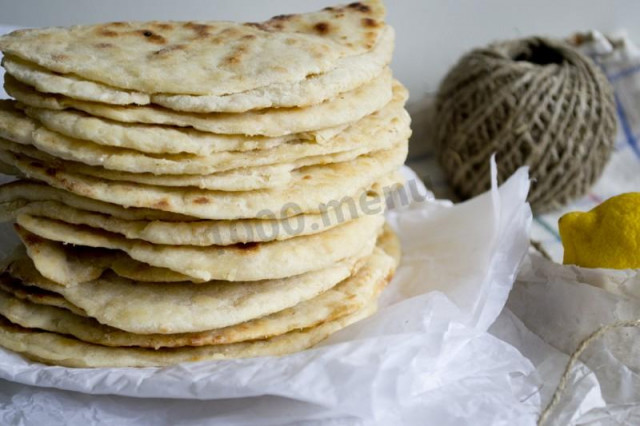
(425, 357)
(564, 305)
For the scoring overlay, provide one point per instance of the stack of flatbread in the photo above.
(197, 190)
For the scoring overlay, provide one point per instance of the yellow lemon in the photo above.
(606, 237)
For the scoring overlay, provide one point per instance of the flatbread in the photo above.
(41, 200)
(14, 125)
(34, 296)
(251, 262)
(274, 176)
(199, 233)
(52, 348)
(21, 192)
(328, 186)
(8, 169)
(203, 58)
(347, 108)
(148, 138)
(169, 308)
(47, 81)
(377, 131)
(68, 265)
(345, 298)
(243, 179)
(349, 73)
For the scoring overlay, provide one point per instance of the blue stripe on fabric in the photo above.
(624, 73)
(626, 127)
(632, 141)
(548, 228)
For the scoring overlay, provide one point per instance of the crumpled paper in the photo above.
(565, 304)
(425, 357)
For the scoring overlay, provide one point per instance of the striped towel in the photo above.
(619, 58)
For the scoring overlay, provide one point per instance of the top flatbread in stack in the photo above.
(197, 190)
(207, 66)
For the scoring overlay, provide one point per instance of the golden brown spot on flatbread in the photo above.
(169, 49)
(201, 30)
(369, 22)
(29, 239)
(388, 278)
(321, 27)
(152, 37)
(236, 56)
(359, 7)
(116, 24)
(103, 45)
(371, 38)
(106, 33)
(258, 25)
(162, 204)
(232, 32)
(202, 200)
(231, 60)
(162, 26)
(350, 297)
(72, 187)
(217, 40)
(317, 54)
(59, 57)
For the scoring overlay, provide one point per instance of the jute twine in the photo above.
(533, 101)
(564, 380)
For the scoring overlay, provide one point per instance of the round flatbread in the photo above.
(203, 58)
(347, 108)
(349, 73)
(326, 187)
(244, 262)
(377, 131)
(52, 348)
(170, 308)
(345, 298)
(40, 200)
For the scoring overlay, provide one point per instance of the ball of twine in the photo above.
(533, 101)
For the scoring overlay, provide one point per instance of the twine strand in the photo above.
(537, 245)
(564, 380)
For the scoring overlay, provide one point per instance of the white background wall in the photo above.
(431, 34)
